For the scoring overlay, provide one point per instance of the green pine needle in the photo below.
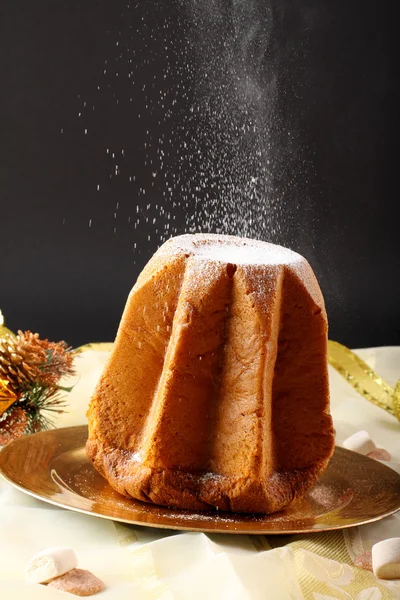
(39, 400)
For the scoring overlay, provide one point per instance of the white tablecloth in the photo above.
(144, 563)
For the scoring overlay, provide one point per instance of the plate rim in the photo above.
(240, 530)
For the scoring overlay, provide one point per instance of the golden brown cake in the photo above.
(216, 393)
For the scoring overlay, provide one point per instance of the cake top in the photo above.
(232, 249)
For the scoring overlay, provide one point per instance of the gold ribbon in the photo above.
(7, 396)
(364, 379)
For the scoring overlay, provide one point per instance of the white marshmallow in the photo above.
(386, 559)
(360, 442)
(50, 563)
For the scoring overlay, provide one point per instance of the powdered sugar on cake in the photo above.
(234, 250)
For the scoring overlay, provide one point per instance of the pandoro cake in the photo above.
(216, 393)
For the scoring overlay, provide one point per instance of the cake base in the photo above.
(200, 491)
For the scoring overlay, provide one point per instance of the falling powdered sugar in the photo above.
(204, 148)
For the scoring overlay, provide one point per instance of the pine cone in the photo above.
(13, 426)
(20, 359)
(26, 359)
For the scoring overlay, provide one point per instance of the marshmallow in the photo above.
(386, 559)
(50, 563)
(360, 442)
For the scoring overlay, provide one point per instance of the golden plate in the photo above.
(52, 466)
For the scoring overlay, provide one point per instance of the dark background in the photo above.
(80, 213)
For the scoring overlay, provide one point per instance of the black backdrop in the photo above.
(69, 252)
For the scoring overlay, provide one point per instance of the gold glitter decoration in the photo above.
(13, 426)
(364, 379)
(7, 396)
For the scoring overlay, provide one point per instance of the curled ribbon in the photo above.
(364, 379)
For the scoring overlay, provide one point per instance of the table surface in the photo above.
(147, 563)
